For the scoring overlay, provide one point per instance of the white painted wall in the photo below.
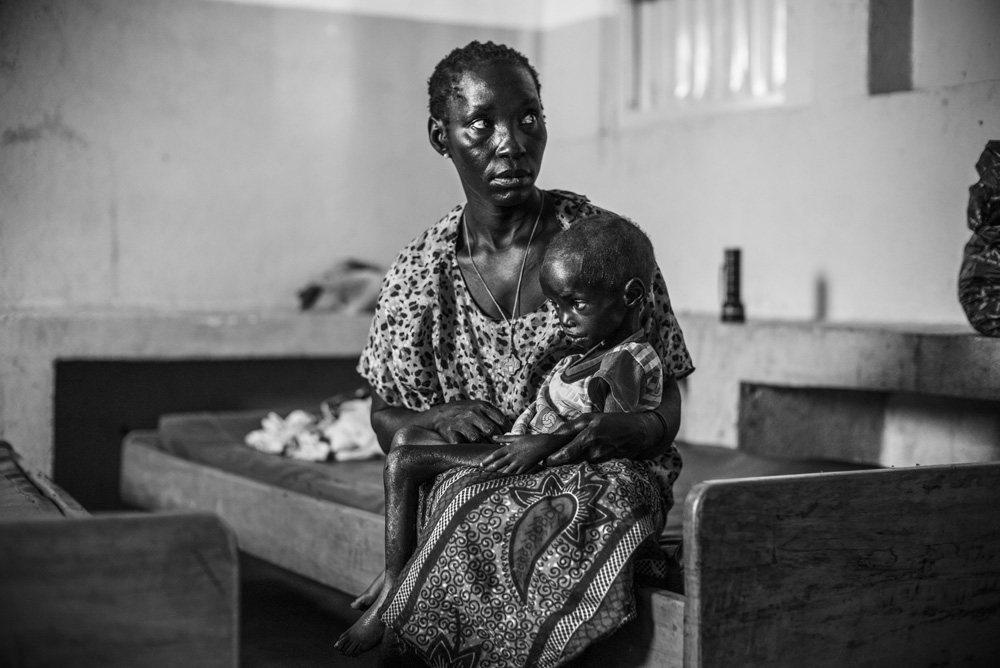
(193, 155)
(864, 195)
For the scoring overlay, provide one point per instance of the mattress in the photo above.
(216, 440)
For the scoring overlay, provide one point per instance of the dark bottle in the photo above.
(732, 307)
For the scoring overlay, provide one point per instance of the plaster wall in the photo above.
(848, 206)
(196, 155)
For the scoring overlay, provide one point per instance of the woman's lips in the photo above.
(512, 179)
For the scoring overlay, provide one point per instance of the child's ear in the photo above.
(635, 290)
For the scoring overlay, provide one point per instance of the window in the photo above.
(702, 54)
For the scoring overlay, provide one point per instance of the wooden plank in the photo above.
(891, 567)
(60, 500)
(653, 640)
(336, 545)
(119, 590)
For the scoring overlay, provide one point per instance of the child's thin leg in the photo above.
(407, 467)
(409, 435)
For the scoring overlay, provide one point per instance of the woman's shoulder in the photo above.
(436, 239)
(571, 206)
(428, 251)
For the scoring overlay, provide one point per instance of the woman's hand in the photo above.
(455, 422)
(467, 421)
(601, 436)
(522, 453)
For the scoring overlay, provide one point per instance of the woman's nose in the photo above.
(511, 142)
(565, 320)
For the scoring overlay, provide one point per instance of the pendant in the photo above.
(511, 365)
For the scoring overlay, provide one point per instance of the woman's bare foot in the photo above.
(366, 633)
(368, 596)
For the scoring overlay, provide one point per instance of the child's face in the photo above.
(588, 316)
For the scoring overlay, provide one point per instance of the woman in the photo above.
(461, 340)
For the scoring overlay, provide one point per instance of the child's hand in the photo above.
(521, 454)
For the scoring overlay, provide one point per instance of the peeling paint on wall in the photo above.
(51, 125)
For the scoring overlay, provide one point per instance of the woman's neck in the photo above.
(497, 229)
(499, 253)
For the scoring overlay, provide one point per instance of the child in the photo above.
(596, 274)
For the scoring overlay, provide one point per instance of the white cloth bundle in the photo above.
(342, 436)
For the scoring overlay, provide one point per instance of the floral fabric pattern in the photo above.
(526, 570)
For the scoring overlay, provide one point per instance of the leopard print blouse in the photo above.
(430, 343)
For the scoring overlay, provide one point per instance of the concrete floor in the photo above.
(288, 621)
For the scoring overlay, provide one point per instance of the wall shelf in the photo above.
(945, 361)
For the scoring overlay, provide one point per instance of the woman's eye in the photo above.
(579, 306)
(530, 118)
(479, 124)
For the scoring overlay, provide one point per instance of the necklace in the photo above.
(511, 364)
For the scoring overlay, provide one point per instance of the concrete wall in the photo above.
(847, 206)
(205, 155)
(194, 155)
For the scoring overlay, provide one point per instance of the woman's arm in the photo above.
(602, 436)
(456, 422)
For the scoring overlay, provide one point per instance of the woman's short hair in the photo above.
(443, 84)
(611, 250)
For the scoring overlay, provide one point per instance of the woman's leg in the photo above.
(393, 653)
(407, 467)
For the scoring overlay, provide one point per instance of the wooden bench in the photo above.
(890, 566)
(122, 589)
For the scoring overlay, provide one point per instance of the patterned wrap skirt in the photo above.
(528, 570)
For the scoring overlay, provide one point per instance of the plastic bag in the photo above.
(349, 286)
(979, 278)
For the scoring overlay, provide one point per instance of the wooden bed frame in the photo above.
(891, 567)
(882, 567)
(115, 590)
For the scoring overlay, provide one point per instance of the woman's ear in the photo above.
(438, 135)
(635, 290)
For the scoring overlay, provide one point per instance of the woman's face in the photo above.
(495, 134)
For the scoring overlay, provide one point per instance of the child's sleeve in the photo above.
(523, 420)
(627, 384)
(522, 425)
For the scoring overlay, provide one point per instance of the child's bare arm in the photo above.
(523, 453)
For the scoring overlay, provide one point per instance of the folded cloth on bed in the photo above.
(216, 440)
(342, 433)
